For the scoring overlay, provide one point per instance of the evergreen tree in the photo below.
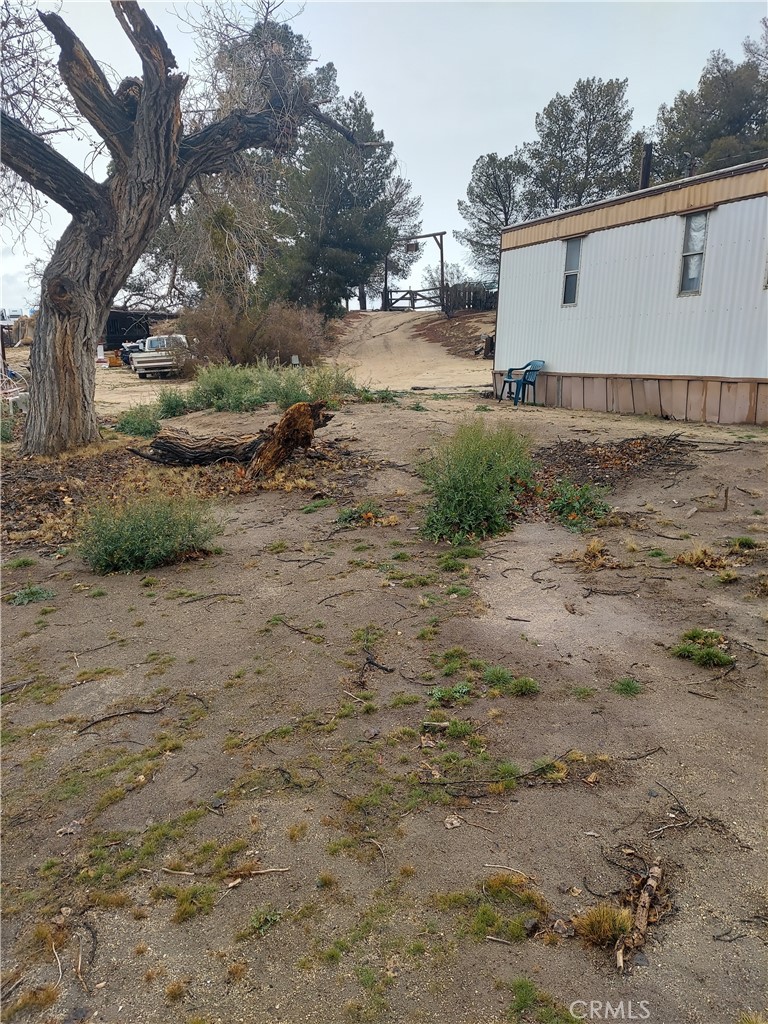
(721, 123)
(494, 200)
(339, 215)
(583, 149)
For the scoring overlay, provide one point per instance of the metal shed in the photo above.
(653, 302)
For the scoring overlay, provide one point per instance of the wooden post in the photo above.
(439, 240)
(385, 293)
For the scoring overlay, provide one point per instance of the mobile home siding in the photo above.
(628, 318)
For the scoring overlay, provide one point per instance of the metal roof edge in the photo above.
(654, 190)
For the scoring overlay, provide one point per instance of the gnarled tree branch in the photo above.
(90, 89)
(46, 170)
(146, 39)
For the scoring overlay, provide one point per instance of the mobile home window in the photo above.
(572, 263)
(693, 253)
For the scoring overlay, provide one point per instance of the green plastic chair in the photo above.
(527, 380)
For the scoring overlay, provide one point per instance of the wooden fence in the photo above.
(456, 297)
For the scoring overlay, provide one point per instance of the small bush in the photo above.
(144, 533)
(473, 477)
(139, 421)
(226, 388)
(172, 402)
(578, 508)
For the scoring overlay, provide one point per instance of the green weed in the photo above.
(139, 421)
(704, 647)
(522, 686)
(627, 687)
(578, 508)
(259, 924)
(172, 402)
(497, 676)
(474, 476)
(446, 696)
(743, 544)
(364, 514)
(316, 505)
(31, 594)
(144, 532)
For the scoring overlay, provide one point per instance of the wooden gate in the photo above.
(409, 298)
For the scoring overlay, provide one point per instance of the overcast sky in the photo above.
(448, 82)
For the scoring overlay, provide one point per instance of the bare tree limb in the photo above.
(48, 171)
(90, 89)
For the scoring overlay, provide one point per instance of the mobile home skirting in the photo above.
(675, 398)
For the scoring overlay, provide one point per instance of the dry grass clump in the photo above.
(35, 999)
(701, 558)
(604, 924)
(176, 990)
(595, 556)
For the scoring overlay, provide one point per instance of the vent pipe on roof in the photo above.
(645, 166)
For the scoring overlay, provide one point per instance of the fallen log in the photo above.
(636, 937)
(263, 452)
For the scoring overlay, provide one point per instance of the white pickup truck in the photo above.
(164, 355)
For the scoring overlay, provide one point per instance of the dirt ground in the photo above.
(221, 800)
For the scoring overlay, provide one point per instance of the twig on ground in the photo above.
(173, 871)
(674, 796)
(58, 980)
(379, 847)
(654, 833)
(506, 867)
(370, 660)
(206, 597)
(79, 968)
(636, 938)
(341, 593)
(474, 824)
(12, 687)
(639, 757)
(354, 697)
(709, 696)
(503, 942)
(122, 714)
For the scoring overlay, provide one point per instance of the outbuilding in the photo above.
(652, 302)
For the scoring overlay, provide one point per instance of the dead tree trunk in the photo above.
(263, 452)
(113, 222)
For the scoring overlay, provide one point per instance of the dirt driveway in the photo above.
(292, 782)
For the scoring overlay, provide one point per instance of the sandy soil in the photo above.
(169, 737)
(385, 351)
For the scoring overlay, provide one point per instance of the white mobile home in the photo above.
(654, 302)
